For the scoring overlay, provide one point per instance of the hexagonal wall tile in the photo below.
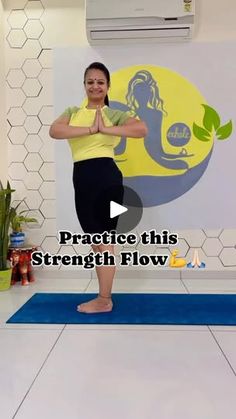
(15, 4)
(48, 208)
(33, 180)
(31, 49)
(212, 247)
(213, 233)
(182, 248)
(17, 171)
(7, 26)
(8, 126)
(117, 249)
(32, 105)
(48, 190)
(142, 248)
(17, 135)
(47, 171)
(31, 67)
(39, 217)
(16, 152)
(17, 19)
(50, 244)
(34, 9)
(45, 58)
(47, 152)
(67, 250)
(32, 124)
(15, 77)
(31, 87)
(46, 115)
(50, 226)
(19, 187)
(17, 56)
(84, 249)
(228, 257)
(228, 237)
(44, 135)
(14, 97)
(33, 143)
(16, 38)
(22, 206)
(33, 29)
(46, 80)
(16, 116)
(36, 236)
(33, 199)
(33, 162)
(160, 250)
(194, 238)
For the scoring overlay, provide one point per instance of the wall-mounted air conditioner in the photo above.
(121, 21)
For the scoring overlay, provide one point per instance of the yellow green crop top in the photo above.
(96, 145)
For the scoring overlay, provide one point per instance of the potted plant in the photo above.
(17, 236)
(6, 215)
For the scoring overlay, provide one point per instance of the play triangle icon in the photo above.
(116, 209)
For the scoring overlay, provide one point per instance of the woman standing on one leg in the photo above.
(92, 132)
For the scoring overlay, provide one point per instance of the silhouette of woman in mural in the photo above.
(144, 100)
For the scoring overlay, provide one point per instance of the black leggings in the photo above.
(97, 182)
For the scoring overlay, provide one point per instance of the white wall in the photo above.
(215, 20)
(68, 19)
(3, 137)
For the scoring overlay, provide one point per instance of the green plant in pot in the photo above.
(17, 236)
(6, 215)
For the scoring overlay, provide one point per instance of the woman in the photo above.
(93, 133)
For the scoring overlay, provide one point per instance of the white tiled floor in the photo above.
(128, 372)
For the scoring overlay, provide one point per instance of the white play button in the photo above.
(116, 209)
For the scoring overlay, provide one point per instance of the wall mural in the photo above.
(182, 128)
(190, 128)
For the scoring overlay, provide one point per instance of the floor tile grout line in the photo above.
(224, 355)
(30, 327)
(39, 371)
(184, 285)
(86, 288)
(230, 330)
(182, 282)
(120, 329)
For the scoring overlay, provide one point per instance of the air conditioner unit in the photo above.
(122, 21)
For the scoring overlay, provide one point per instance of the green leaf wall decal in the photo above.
(225, 131)
(201, 133)
(211, 118)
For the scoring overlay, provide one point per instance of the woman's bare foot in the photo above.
(97, 305)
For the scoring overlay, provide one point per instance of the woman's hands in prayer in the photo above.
(98, 123)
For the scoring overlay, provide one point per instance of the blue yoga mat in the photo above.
(178, 309)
